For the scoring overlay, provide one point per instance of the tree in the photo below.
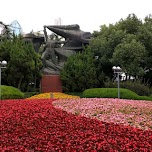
(145, 37)
(130, 25)
(128, 43)
(129, 56)
(103, 45)
(114, 42)
(79, 72)
(23, 62)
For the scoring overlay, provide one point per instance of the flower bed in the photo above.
(127, 112)
(36, 126)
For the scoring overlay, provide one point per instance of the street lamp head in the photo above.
(118, 68)
(4, 63)
(114, 68)
(96, 57)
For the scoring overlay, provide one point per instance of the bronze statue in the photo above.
(50, 57)
(54, 55)
(36, 40)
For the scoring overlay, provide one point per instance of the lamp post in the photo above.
(118, 71)
(2, 66)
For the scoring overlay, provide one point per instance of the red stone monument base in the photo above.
(51, 83)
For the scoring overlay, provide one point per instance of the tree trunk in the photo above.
(19, 83)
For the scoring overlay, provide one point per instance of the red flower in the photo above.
(35, 125)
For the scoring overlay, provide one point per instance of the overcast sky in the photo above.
(89, 14)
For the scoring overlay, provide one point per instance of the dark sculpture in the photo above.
(37, 41)
(55, 55)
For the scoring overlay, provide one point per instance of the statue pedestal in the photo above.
(51, 83)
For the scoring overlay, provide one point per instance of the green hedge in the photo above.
(9, 92)
(113, 93)
(136, 86)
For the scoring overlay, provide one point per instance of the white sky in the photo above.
(89, 14)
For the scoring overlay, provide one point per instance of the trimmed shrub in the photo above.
(9, 92)
(113, 93)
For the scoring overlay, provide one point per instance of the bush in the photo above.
(113, 93)
(135, 86)
(30, 94)
(80, 94)
(9, 92)
(79, 73)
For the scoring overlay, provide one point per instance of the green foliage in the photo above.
(123, 44)
(30, 94)
(136, 86)
(129, 55)
(145, 36)
(130, 25)
(103, 46)
(24, 63)
(5, 47)
(113, 93)
(9, 92)
(80, 94)
(127, 44)
(79, 73)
